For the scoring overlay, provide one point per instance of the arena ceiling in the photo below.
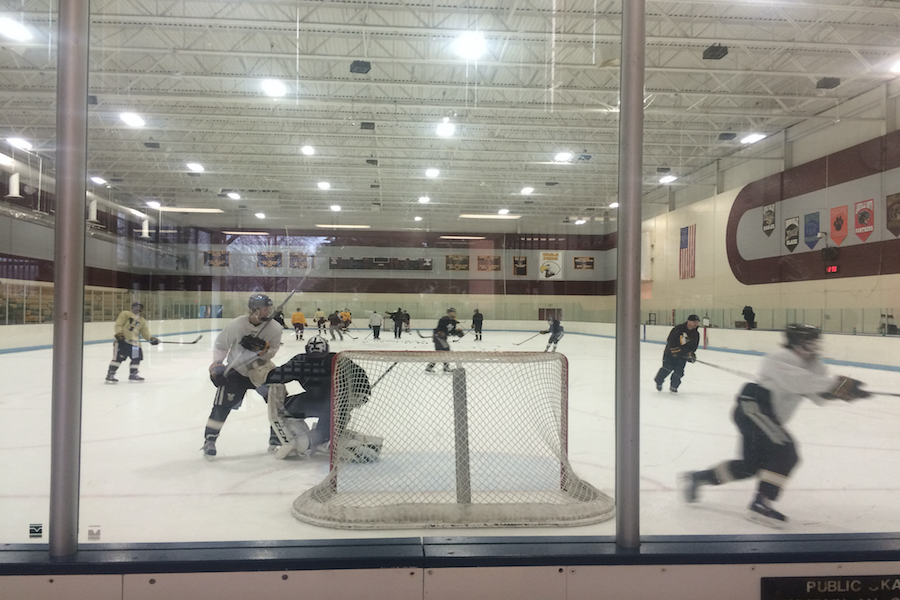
(548, 82)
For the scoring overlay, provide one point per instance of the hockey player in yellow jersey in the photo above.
(129, 329)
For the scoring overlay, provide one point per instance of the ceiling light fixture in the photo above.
(98, 180)
(424, 199)
(503, 211)
(446, 128)
(14, 30)
(360, 67)
(470, 45)
(335, 208)
(19, 143)
(132, 119)
(153, 204)
(325, 226)
(463, 237)
(6, 161)
(274, 88)
(417, 218)
(753, 138)
(580, 222)
(260, 215)
(526, 190)
(614, 205)
(476, 216)
(563, 157)
(195, 167)
(324, 185)
(715, 52)
(190, 210)
(308, 150)
(246, 232)
(234, 195)
(432, 172)
(667, 179)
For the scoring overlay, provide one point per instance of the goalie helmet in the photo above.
(137, 307)
(317, 345)
(258, 301)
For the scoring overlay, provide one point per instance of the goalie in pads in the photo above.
(313, 371)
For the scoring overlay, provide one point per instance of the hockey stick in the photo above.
(727, 370)
(372, 387)
(883, 393)
(185, 343)
(426, 337)
(268, 320)
(531, 338)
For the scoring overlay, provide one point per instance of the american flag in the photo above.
(687, 251)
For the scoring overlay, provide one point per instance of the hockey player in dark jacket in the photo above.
(556, 331)
(445, 328)
(763, 409)
(680, 348)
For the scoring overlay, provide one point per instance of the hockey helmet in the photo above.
(799, 334)
(317, 345)
(137, 307)
(258, 301)
(451, 310)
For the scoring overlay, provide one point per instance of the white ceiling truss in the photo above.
(549, 82)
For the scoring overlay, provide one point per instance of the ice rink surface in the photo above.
(144, 478)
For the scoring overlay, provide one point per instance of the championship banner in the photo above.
(268, 258)
(791, 233)
(768, 222)
(811, 229)
(839, 224)
(865, 219)
(551, 266)
(893, 214)
(520, 266)
(301, 261)
(216, 258)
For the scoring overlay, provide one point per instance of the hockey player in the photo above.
(320, 319)
(375, 323)
(298, 319)
(397, 318)
(247, 344)
(477, 321)
(313, 371)
(129, 328)
(346, 319)
(407, 322)
(445, 328)
(769, 453)
(556, 332)
(335, 324)
(680, 348)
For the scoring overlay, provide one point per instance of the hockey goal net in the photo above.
(481, 445)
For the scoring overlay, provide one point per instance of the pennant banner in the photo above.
(768, 222)
(811, 229)
(865, 219)
(839, 224)
(893, 214)
(791, 233)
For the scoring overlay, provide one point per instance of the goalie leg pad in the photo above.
(359, 448)
(297, 432)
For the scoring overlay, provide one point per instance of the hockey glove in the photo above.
(545, 332)
(154, 341)
(217, 374)
(847, 389)
(254, 344)
(691, 357)
(120, 337)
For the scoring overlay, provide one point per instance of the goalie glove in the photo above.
(217, 374)
(254, 344)
(847, 389)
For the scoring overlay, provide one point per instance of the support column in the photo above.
(68, 297)
(628, 277)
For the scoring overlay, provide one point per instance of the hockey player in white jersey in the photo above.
(242, 356)
(769, 452)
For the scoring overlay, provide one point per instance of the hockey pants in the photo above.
(672, 365)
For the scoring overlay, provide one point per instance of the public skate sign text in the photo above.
(864, 587)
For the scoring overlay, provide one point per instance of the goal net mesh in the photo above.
(480, 445)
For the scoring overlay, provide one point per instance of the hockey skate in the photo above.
(658, 387)
(429, 369)
(762, 512)
(209, 447)
(135, 377)
(447, 369)
(110, 378)
(674, 390)
(689, 486)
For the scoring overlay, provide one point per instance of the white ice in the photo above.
(144, 478)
